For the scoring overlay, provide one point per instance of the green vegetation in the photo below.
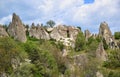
(50, 23)
(113, 59)
(117, 35)
(80, 42)
(43, 58)
(9, 50)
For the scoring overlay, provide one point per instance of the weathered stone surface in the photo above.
(16, 29)
(72, 32)
(100, 52)
(3, 33)
(98, 74)
(87, 34)
(80, 60)
(38, 32)
(59, 32)
(15, 63)
(104, 32)
(62, 31)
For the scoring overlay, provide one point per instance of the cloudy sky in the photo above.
(88, 14)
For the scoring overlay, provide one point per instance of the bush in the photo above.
(42, 59)
(113, 59)
(9, 50)
(117, 35)
(114, 74)
(80, 42)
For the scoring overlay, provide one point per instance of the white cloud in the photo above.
(72, 12)
(5, 19)
(97, 12)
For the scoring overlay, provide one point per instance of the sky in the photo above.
(88, 14)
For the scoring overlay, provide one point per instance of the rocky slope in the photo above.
(51, 52)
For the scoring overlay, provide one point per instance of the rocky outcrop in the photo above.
(62, 31)
(105, 33)
(16, 29)
(72, 32)
(3, 33)
(100, 52)
(38, 32)
(59, 32)
(87, 34)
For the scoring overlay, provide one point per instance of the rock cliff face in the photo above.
(105, 32)
(3, 33)
(38, 32)
(16, 29)
(87, 34)
(59, 32)
(72, 32)
(62, 31)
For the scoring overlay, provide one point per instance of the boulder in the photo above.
(101, 53)
(16, 29)
(38, 32)
(3, 32)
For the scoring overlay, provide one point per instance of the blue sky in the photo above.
(88, 14)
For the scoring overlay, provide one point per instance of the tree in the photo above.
(79, 27)
(50, 23)
(117, 35)
(80, 42)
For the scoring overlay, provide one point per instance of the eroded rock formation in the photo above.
(106, 34)
(38, 32)
(59, 32)
(16, 29)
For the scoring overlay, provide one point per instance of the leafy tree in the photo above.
(79, 27)
(117, 35)
(50, 23)
(80, 42)
(5, 26)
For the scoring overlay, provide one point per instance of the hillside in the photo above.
(57, 51)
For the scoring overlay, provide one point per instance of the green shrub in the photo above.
(41, 57)
(113, 59)
(117, 35)
(80, 42)
(9, 49)
(114, 74)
